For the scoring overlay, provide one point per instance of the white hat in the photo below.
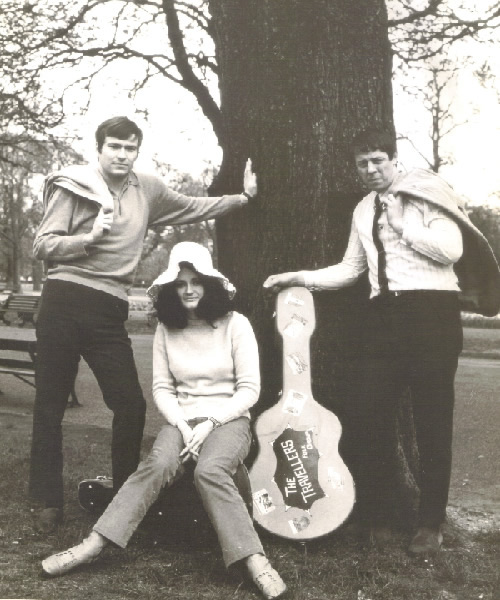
(196, 255)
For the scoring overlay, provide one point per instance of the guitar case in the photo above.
(302, 489)
(94, 495)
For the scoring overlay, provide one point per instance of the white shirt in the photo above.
(422, 258)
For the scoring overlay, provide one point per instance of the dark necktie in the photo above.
(382, 276)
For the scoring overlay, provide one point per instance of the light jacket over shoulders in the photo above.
(477, 269)
(72, 200)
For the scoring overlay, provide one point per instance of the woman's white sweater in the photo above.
(206, 371)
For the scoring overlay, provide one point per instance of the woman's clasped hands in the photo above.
(193, 438)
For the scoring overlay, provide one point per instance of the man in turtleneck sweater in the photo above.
(91, 237)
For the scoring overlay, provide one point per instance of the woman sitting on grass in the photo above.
(205, 379)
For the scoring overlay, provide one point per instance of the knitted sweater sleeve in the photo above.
(170, 207)
(164, 390)
(54, 239)
(246, 371)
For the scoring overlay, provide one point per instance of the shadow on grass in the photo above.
(160, 565)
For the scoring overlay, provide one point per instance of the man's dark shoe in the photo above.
(48, 519)
(426, 541)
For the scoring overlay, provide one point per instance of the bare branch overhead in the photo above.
(420, 33)
(167, 39)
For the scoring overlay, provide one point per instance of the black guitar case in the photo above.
(177, 517)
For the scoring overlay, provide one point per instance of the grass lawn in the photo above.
(339, 567)
(161, 566)
(482, 342)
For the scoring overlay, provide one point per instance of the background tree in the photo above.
(19, 215)
(296, 83)
(425, 29)
(28, 111)
(434, 86)
(20, 207)
(487, 219)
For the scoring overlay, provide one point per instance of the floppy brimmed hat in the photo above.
(201, 260)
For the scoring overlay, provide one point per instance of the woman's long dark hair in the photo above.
(214, 304)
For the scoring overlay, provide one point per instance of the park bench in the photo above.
(17, 358)
(18, 350)
(23, 306)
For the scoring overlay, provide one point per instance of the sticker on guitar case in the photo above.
(291, 299)
(335, 479)
(296, 472)
(294, 403)
(263, 502)
(299, 523)
(296, 363)
(295, 327)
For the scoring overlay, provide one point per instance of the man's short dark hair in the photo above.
(118, 127)
(372, 139)
(214, 304)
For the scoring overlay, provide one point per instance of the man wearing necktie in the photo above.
(407, 232)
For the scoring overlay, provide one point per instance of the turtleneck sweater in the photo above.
(109, 264)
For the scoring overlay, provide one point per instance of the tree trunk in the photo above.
(298, 80)
(15, 258)
(8, 271)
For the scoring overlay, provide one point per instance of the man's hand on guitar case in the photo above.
(282, 280)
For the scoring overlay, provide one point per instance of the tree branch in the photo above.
(416, 15)
(189, 81)
(424, 34)
(195, 15)
(406, 138)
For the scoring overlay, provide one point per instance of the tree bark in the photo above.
(297, 81)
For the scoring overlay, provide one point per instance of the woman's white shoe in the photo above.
(83, 553)
(265, 577)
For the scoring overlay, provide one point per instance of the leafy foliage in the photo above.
(20, 209)
(487, 220)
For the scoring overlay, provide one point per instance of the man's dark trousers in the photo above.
(76, 320)
(413, 340)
